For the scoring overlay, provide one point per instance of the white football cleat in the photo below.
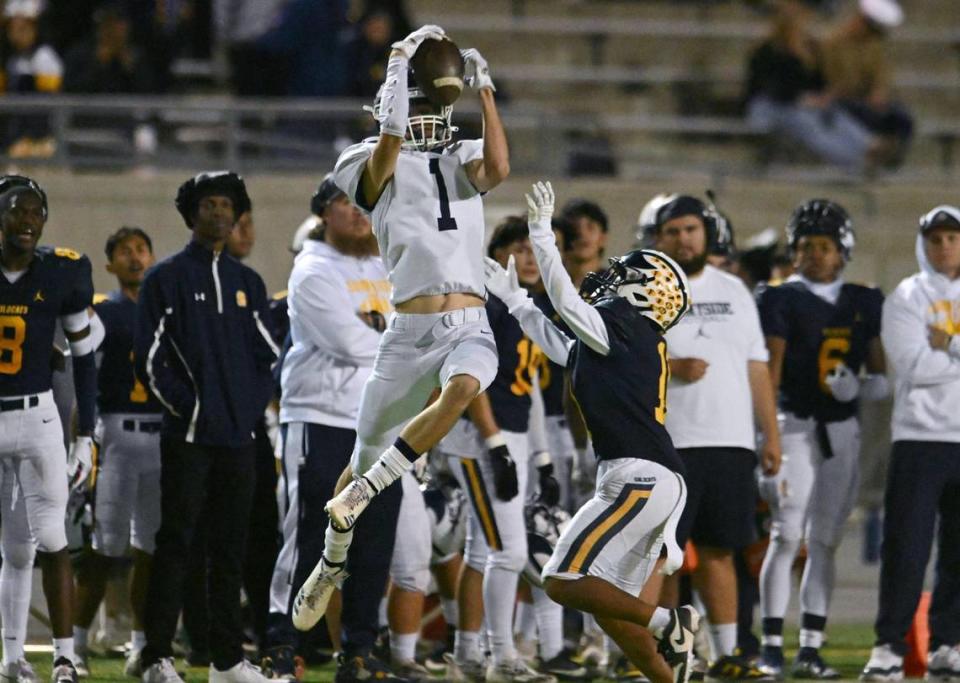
(242, 672)
(943, 665)
(884, 665)
(676, 641)
(19, 671)
(162, 672)
(346, 506)
(311, 602)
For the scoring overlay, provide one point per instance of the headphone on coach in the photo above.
(665, 207)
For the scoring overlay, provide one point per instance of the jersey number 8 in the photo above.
(13, 330)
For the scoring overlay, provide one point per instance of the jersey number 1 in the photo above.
(445, 221)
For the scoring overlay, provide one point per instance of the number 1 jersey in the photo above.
(428, 221)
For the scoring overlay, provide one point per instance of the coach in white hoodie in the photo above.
(921, 334)
(338, 298)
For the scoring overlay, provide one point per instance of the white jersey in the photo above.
(722, 328)
(428, 221)
(333, 349)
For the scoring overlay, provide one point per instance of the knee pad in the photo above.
(786, 531)
(19, 555)
(416, 581)
(51, 540)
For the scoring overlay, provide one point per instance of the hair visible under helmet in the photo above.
(822, 217)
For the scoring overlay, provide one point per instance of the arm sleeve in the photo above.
(582, 319)
(349, 169)
(155, 353)
(81, 288)
(543, 332)
(325, 314)
(537, 429)
(904, 337)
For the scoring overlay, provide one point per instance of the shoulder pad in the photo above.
(64, 252)
(99, 298)
(282, 294)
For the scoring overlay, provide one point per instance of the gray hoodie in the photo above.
(927, 384)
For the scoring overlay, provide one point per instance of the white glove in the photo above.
(540, 211)
(408, 46)
(504, 283)
(80, 461)
(844, 385)
(476, 73)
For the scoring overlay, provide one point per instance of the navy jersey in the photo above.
(518, 357)
(118, 390)
(819, 336)
(623, 395)
(57, 282)
(551, 374)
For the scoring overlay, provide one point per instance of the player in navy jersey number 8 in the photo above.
(38, 287)
(619, 375)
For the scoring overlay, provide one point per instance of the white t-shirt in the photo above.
(428, 221)
(722, 328)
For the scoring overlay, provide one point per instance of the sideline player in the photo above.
(821, 331)
(38, 286)
(619, 373)
(423, 191)
(126, 510)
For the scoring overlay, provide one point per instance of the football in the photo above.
(438, 71)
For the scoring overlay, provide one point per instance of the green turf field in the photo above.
(847, 651)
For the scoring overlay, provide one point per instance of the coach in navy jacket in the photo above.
(203, 349)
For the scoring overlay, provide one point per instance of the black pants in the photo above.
(326, 453)
(923, 481)
(196, 479)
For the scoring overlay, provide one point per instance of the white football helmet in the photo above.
(425, 131)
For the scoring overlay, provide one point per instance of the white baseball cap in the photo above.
(885, 13)
(29, 9)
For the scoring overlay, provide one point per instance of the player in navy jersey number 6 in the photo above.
(619, 377)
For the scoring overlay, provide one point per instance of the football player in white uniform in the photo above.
(423, 191)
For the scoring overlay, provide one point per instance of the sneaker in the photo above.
(19, 671)
(63, 671)
(624, 671)
(346, 506)
(735, 668)
(943, 665)
(132, 667)
(564, 667)
(281, 664)
(409, 670)
(471, 670)
(676, 641)
(241, 672)
(516, 671)
(354, 669)
(771, 662)
(311, 602)
(161, 672)
(884, 665)
(810, 665)
(80, 664)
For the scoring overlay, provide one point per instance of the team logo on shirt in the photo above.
(946, 315)
(38, 296)
(241, 298)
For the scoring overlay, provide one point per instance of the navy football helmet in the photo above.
(822, 217)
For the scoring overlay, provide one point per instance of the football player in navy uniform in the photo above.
(127, 486)
(619, 376)
(822, 333)
(38, 287)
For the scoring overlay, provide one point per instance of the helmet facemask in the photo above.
(428, 126)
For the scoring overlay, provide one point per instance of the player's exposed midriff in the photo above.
(439, 303)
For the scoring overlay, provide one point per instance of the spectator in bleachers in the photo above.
(396, 10)
(367, 52)
(31, 66)
(787, 95)
(254, 71)
(109, 63)
(585, 250)
(858, 72)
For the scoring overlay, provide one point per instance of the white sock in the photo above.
(819, 576)
(63, 647)
(336, 544)
(389, 467)
(775, 577)
(382, 618)
(451, 611)
(811, 638)
(724, 638)
(80, 638)
(403, 646)
(499, 596)
(466, 646)
(15, 588)
(525, 622)
(549, 624)
(138, 639)
(659, 621)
